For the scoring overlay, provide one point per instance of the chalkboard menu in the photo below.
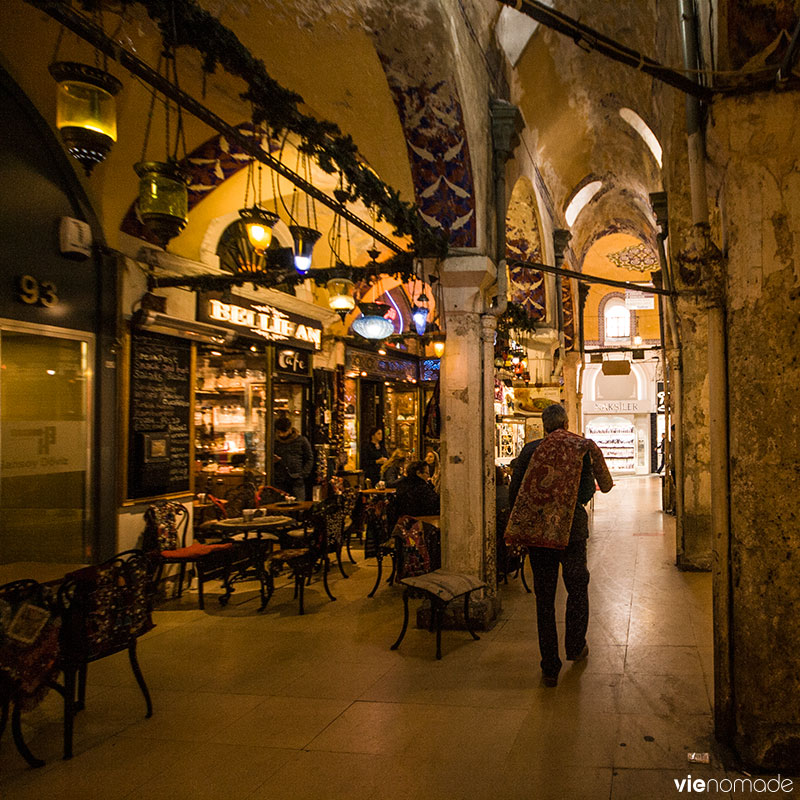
(159, 445)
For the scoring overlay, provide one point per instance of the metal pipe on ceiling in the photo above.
(96, 37)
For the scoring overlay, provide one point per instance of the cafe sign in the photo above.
(259, 320)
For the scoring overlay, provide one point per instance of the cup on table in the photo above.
(381, 485)
(248, 514)
(202, 497)
(290, 498)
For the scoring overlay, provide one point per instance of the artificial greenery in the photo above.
(515, 318)
(184, 23)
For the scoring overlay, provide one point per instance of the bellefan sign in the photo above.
(261, 320)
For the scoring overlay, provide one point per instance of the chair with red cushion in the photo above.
(166, 524)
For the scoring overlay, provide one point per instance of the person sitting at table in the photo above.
(432, 460)
(294, 459)
(374, 456)
(415, 496)
(393, 470)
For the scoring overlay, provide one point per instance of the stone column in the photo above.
(467, 449)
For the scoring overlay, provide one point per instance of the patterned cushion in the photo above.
(162, 526)
(194, 551)
(288, 555)
(444, 585)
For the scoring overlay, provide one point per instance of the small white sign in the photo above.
(639, 301)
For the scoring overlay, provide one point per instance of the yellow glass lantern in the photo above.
(163, 198)
(258, 224)
(86, 111)
(340, 295)
(437, 340)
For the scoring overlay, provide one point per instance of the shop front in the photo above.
(245, 388)
(57, 382)
(381, 391)
(617, 414)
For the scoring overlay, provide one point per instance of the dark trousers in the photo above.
(545, 562)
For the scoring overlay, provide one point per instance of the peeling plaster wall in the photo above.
(755, 144)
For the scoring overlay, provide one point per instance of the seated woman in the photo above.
(432, 460)
(415, 495)
(393, 470)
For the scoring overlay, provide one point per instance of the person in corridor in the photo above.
(553, 479)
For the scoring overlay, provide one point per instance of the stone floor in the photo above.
(275, 705)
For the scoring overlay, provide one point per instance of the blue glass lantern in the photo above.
(419, 315)
(304, 241)
(373, 324)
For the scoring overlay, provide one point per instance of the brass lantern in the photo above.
(86, 112)
(340, 295)
(163, 198)
(258, 225)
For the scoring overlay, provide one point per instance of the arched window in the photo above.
(617, 320)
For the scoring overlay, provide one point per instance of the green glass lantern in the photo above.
(163, 198)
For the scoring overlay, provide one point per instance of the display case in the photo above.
(401, 420)
(351, 424)
(617, 440)
(230, 413)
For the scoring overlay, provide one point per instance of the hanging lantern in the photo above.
(304, 241)
(258, 224)
(86, 112)
(419, 316)
(236, 254)
(438, 344)
(340, 295)
(163, 198)
(373, 324)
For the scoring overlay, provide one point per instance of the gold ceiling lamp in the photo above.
(256, 220)
(340, 285)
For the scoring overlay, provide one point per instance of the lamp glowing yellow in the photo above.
(438, 347)
(259, 235)
(340, 294)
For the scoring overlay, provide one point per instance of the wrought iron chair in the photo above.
(351, 518)
(29, 653)
(300, 560)
(104, 610)
(166, 525)
(379, 542)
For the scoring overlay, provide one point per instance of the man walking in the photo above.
(294, 459)
(553, 479)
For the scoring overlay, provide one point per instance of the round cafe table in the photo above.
(376, 492)
(295, 509)
(261, 526)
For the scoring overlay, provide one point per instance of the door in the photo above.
(45, 430)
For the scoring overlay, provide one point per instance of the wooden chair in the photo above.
(166, 526)
(302, 557)
(104, 610)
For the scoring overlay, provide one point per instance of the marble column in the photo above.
(467, 449)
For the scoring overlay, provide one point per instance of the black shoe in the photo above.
(581, 656)
(550, 681)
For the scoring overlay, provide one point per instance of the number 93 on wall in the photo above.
(34, 292)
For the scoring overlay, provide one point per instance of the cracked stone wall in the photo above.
(755, 147)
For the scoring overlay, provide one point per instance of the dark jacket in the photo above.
(415, 497)
(296, 456)
(369, 458)
(392, 475)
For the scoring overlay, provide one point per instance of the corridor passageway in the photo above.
(275, 705)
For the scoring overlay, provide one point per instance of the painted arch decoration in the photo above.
(524, 242)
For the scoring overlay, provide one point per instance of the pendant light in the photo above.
(163, 203)
(86, 111)
(438, 341)
(258, 224)
(305, 236)
(304, 239)
(419, 314)
(373, 324)
(163, 198)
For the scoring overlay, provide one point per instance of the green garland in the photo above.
(515, 318)
(183, 23)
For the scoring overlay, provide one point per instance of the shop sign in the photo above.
(639, 301)
(383, 367)
(43, 448)
(292, 361)
(248, 317)
(661, 398)
(616, 407)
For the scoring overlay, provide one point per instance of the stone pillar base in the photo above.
(483, 614)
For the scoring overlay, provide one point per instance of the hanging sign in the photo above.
(294, 362)
(259, 320)
(639, 301)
